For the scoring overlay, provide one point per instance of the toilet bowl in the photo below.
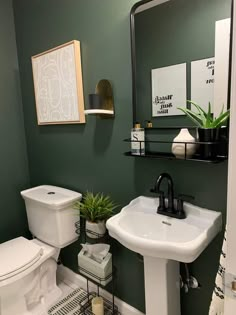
(28, 267)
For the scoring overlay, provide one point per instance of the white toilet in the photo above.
(28, 267)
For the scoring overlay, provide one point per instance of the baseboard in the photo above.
(68, 275)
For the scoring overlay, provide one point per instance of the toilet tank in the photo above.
(50, 214)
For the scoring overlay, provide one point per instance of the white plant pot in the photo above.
(178, 149)
(98, 228)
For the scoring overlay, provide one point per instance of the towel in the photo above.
(217, 302)
(33, 296)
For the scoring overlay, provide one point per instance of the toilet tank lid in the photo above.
(16, 255)
(51, 196)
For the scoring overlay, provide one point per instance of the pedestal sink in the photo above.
(164, 242)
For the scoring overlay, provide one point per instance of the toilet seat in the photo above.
(47, 252)
(18, 255)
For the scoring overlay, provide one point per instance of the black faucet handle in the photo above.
(180, 205)
(186, 198)
(180, 209)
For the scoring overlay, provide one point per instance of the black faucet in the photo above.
(170, 209)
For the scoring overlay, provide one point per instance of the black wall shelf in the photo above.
(171, 128)
(170, 156)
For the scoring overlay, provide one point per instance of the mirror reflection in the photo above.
(181, 53)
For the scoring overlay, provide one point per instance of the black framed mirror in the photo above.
(187, 35)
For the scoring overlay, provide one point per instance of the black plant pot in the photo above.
(208, 150)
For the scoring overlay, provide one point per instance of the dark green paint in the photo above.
(90, 157)
(13, 158)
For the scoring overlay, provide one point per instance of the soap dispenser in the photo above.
(137, 140)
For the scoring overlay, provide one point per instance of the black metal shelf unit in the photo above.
(86, 309)
(220, 157)
(169, 156)
(170, 128)
(109, 306)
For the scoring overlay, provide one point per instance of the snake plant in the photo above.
(205, 119)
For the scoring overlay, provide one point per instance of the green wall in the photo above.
(13, 157)
(90, 157)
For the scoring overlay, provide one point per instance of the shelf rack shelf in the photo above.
(109, 309)
(109, 306)
(169, 156)
(219, 146)
(170, 128)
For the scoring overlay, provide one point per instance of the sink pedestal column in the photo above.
(162, 286)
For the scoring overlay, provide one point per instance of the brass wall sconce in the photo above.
(101, 103)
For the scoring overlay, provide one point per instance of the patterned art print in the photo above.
(56, 86)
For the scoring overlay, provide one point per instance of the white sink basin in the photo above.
(139, 228)
(163, 241)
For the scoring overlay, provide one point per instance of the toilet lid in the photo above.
(51, 196)
(17, 255)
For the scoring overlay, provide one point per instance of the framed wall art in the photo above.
(202, 82)
(169, 90)
(58, 85)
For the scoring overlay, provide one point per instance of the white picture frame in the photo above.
(58, 85)
(202, 82)
(169, 90)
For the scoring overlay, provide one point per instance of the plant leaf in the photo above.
(205, 119)
(209, 118)
(193, 116)
(95, 207)
(218, 122)
(201, 112)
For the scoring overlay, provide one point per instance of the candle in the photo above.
(97, 306)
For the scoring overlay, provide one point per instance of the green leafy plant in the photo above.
(96, 207)
(205, 119)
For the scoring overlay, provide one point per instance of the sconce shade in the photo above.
(101, 103)
(95, 101)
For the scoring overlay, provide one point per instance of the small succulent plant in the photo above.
(205, 119)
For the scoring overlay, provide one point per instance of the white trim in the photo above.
(230, 304)
(222, 46)
(67, 275)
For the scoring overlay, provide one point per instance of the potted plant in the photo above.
(95, 209)
(208, 127)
